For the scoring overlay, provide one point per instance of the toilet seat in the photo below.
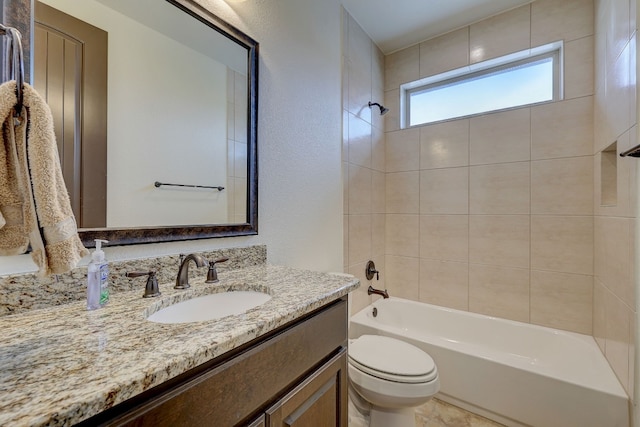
(392, 360)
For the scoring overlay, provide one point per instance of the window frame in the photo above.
(471, 72)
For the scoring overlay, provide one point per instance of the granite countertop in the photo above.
(61, 365)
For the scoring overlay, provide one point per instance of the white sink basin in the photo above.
(210, 307)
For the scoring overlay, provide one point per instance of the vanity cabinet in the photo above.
(293, 376)
(316, 401)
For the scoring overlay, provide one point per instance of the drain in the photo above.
(375, 312)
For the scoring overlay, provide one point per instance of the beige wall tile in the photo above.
(231, 154)
(562, 186)
(600, 34)
(402, 235)
(618, 29)
(345, 135)
(444, 191)
(378, 192)
(499, 291)
(567, 20)
(499, 240)
(617, 338)
(378, 227)
(240, 131)
(599, 314)
(240, 200)
(579, 67)
(562, 244)
(602, 130)
(402, 67)
(562, 300)
(633, 175)
(402, 279)
(359, 238)
(633, 95)
(359, 190)
(403, 192)
(618, 94)
(600, 252)
(444, 53)
(359, 298)
(345, 240)
(359, 91)
(500, 35)
(231, 194)
(444, 283)
(444, 144)
(403, 150)
(378, 152)
(359, 69)
(562, 129)
(613, 252)
(392, 102)
(240, 160)
(359, 141)
(499, 189)
(444, 237)
(377, 84)
(614, 179)
(345, 59)
(632, 355)
(500, 137)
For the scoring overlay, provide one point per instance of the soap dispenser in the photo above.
(98, 278)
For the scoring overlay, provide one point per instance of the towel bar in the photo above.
(631, 152)
(160, 184)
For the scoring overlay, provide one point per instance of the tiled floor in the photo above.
(434, 413)
(437, 413)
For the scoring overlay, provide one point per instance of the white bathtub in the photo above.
(512, 372)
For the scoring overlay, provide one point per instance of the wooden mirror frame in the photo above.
(18, 13)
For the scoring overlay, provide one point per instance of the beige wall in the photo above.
(615, 120)
(494, 213)
(363, 158)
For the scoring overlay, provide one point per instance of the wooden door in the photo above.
(70, 72)
(319, 401)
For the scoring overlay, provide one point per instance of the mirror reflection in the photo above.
(140, 98)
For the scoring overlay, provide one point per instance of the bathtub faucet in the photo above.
(372, 290)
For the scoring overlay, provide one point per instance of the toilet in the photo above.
(388, 379)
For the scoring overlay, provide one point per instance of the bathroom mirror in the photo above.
(180, 118)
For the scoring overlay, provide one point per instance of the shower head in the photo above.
(383, 109)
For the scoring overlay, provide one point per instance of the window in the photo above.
(524, 78)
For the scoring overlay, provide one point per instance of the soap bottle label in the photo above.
(103, 274)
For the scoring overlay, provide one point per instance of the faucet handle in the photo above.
(370, 270)
(151, 289)
(212, 274)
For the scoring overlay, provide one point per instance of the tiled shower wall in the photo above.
(527, 214)
(615, 188)
(363, 158)
(236, 146)
(494, 214)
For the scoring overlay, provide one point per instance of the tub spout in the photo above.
(372, 290)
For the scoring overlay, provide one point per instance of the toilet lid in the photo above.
(391, 359)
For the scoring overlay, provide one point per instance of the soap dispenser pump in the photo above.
(98, 278)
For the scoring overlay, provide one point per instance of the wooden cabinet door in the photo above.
(319, 401)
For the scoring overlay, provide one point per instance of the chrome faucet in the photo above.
(182, 281)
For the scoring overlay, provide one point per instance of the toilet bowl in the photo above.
(390, 378)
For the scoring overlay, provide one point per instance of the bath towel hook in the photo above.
(15, 63)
